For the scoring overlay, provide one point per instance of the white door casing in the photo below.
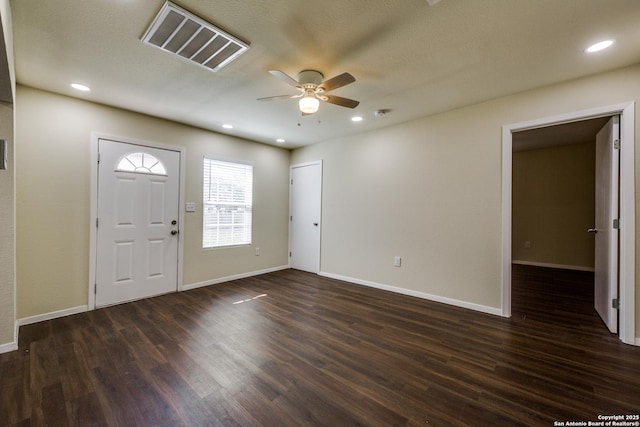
(606, 236)
(305, 216)
(137, 225)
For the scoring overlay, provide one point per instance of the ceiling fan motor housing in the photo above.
(310, 77)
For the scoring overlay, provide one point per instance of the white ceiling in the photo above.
(408, 57)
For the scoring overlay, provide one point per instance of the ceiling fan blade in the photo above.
(285, 78)
(343, 102)
(271, 98)
(337, 81)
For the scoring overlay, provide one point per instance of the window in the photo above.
(141, 163)
(227, 203)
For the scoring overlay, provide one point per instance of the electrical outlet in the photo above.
(527, 244)
(257, 251)
(397, 261)
(191, 207)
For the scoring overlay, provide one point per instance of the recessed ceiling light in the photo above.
(356, 118)
(227, 126)
(280, 140)
(599, 46)
(80, 87)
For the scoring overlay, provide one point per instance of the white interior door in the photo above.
(137, 235)
(607, 208)
(305, 220)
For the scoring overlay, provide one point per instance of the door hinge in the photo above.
(291, 218)
(616, 224)
(289, 254)
(616, 144)
(98, 157)
(615, 303)
(97, 222)
(292, 182)
(95, 289)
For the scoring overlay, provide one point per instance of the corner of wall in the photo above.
(8, 324)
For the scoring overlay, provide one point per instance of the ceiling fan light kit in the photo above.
(312, 89)
(308, 104)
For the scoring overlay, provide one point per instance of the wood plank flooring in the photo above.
(294, 349)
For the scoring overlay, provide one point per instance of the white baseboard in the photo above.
(52, 315)
(230, 278)
(551, 265)
(39, 318)
(83, 308)
(430, 297)
(10, 346)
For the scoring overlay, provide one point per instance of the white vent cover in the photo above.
(180, 32)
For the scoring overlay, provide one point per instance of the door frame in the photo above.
(93, 211)
(299, 165)
(626, 111)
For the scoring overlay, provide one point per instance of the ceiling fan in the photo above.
(312, 89)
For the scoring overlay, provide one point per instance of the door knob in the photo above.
(592, 230)
(174, 232)
(315, 223)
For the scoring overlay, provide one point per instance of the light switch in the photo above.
(191, 207)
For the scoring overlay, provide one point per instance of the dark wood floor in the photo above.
(291, 349)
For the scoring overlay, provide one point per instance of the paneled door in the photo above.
(137, 224)
(304, 220)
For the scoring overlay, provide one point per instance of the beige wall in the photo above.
(7, 193)
(554, 205)
(430, 191)
(7, 232)
(53, 197)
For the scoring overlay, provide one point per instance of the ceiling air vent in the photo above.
(180, 32)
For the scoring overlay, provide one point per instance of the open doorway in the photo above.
(553, 208)
(626, 220)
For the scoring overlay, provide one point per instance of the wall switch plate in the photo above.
(397, 261)
(257, 251)
(191, 207)
(527, 244)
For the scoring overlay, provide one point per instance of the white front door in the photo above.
(607, 208)
(305, 211)
(137, 235)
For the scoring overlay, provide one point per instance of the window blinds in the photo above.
(227, 203)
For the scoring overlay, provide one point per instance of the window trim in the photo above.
(239, 164)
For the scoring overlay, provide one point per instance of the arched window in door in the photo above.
(141, 163)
